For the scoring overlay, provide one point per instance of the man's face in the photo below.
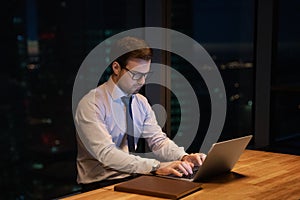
(131, 77)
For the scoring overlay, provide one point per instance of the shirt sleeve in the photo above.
(92, 131)
(161, 145)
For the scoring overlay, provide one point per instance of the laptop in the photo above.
(220, 159)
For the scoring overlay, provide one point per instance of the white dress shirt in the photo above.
(100, 121)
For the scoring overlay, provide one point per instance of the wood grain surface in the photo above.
(257, 175)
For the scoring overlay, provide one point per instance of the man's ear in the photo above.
(116, 68)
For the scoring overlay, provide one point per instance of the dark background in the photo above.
(43, 44)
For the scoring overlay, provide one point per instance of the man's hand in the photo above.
(195, 158)
(177, 168)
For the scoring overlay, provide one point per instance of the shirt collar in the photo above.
(114, 90)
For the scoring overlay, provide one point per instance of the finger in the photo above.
(198, 159)
(187, 166)
(191, 164)
(202, 157)
(175, 172)
(182, 169)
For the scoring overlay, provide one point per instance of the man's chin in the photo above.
(136, 91)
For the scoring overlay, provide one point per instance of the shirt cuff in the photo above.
(183, 156)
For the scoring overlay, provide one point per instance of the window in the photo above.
(225, 30)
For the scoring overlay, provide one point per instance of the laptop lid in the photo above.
(222, 157)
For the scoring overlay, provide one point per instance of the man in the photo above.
(101, 122)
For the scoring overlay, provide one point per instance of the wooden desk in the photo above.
(257, 175)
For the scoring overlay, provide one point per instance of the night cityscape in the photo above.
(43, 44)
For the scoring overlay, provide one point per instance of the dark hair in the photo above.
(130, 47)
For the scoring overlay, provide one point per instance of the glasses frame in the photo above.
(137, 75)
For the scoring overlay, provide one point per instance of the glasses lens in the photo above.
(138, 76)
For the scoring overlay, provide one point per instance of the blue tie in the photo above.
(129, 122)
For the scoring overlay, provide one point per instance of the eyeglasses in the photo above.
(137, 75)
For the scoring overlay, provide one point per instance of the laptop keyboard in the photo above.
(190, 176)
